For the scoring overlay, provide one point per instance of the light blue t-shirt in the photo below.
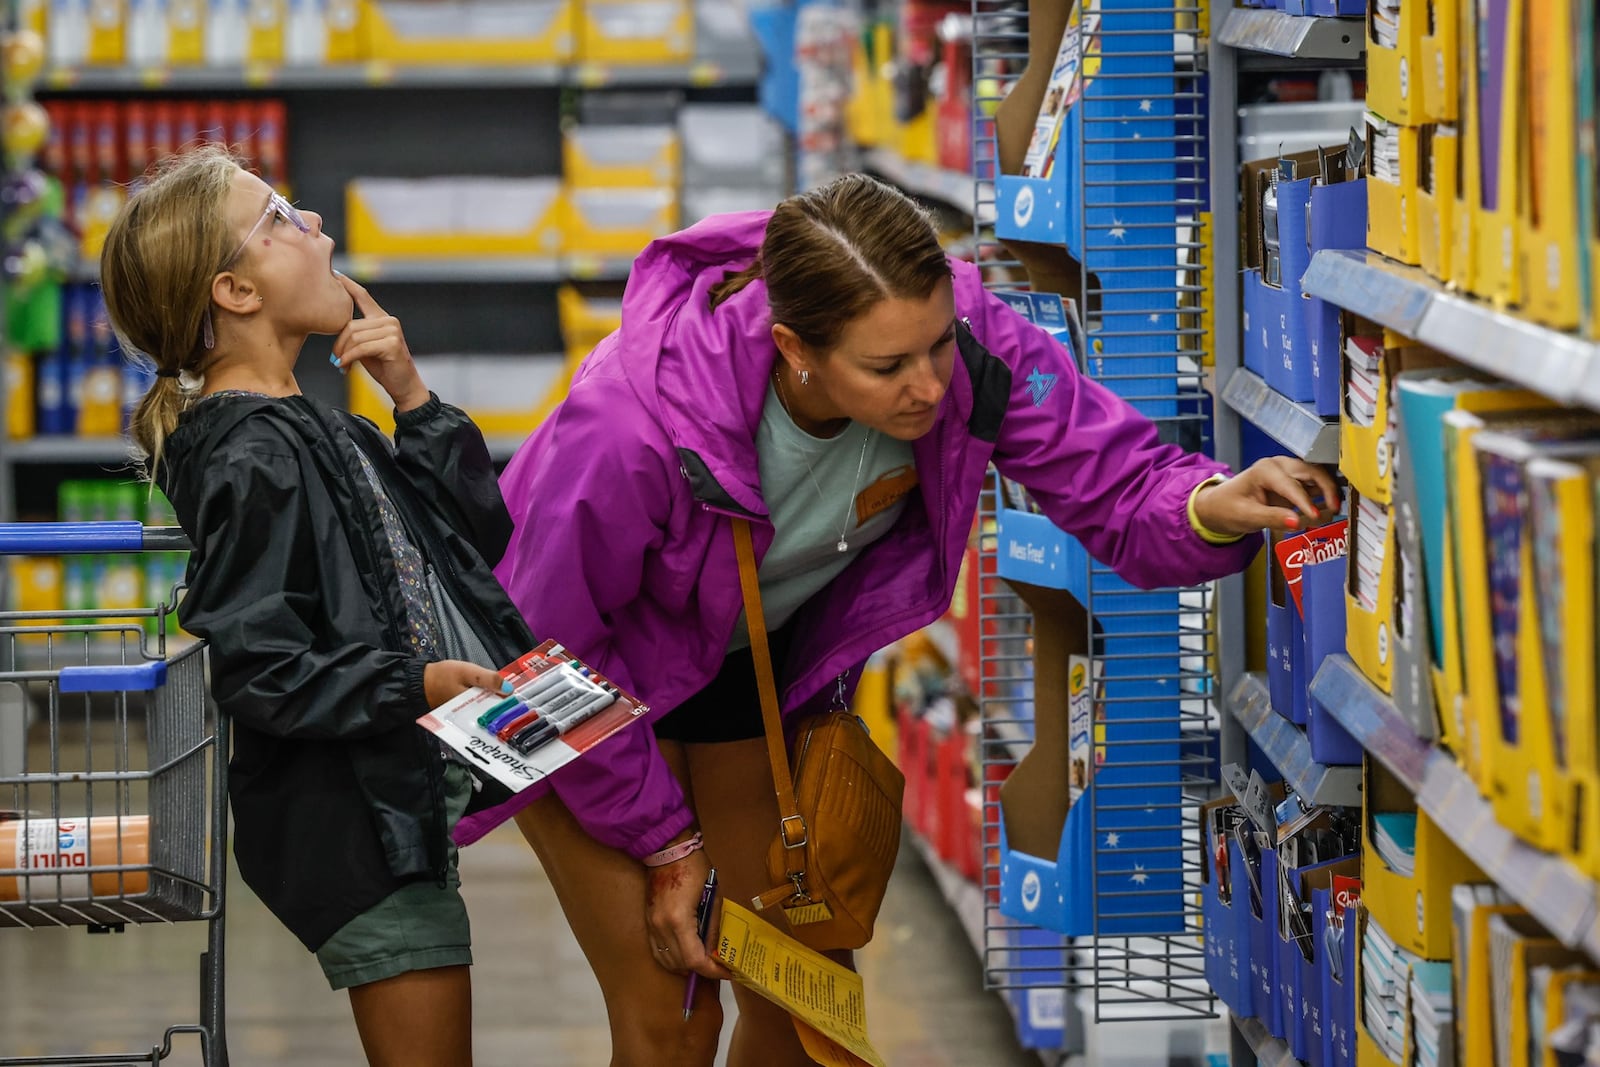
(815, 488)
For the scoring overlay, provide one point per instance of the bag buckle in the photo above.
(783, 831)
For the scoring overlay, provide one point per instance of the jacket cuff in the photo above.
(660, 834)
(416, 690)
(1210, 537)
(404, 420)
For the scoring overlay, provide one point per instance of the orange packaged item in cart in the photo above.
(55, 851)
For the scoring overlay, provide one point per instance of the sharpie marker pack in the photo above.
(557, 710)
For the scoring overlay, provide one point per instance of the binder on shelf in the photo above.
(1411, 682)
(428, 32)
(453, 216)
(1439, 155)
(1413, 907)
(1549, 155)
(629, 157)
(636, 31)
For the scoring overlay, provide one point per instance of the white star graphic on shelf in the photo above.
(1138, 137)
(1154, 317)
(1113, 841)
(1118, 232)
(1138, 877)
(1145, 106)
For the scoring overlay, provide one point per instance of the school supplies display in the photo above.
(555, 709)
(1076, 63)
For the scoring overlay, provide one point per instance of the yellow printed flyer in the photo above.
(827, 1001)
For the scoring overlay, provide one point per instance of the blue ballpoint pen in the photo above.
(703, 924)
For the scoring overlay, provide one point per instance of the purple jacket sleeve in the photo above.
(590, 501)
(1097, 467)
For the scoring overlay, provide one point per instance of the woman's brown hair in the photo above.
(160, 255)
(830, 254)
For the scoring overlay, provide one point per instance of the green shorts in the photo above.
(417, 927)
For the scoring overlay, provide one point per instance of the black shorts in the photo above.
(729, 708)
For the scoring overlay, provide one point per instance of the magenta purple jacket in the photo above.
(623, 548)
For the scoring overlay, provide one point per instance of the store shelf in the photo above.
(1270, 1051)
(1286, 746)
(107, 451)
(382, 75)
(476, 269)
(1555, 892)
(1294, 426)
(1559, 365)
(1295, 36)
(946, 186)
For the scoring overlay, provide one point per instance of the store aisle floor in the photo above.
(65, 991)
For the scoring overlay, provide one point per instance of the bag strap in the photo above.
(791, 826)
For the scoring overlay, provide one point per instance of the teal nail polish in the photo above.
(505, 687)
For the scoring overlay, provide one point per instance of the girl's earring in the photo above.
(805, 377)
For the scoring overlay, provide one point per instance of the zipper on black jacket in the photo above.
(438, 853)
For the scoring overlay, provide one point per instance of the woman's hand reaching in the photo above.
(1278, 493)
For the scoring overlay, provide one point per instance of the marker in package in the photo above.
(557, 709)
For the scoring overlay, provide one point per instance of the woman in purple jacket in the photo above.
(826, 371)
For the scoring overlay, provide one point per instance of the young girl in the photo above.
(342, 581)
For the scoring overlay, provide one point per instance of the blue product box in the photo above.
(1258, 341)
(1030, 887)
(1339, 994)
(1337, 9)
(1237, 922)
(1039, 997)
(1295, 7)
(1286, 646)
(1322, 590)
(1264, 959)
(1336, 218)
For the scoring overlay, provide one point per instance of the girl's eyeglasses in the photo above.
(276, 205)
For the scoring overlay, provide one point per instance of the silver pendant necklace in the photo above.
(849, 506)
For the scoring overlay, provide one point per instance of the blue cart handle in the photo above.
(78, 538)
(114, 678)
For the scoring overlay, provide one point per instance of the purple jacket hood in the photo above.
(623, 548)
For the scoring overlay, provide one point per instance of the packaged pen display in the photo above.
(557, 709)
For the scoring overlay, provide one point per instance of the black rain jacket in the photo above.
(337, 794)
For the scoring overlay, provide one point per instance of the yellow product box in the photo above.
(1556, 1014)
(1437, 193)
(1520, 945)
(586, 321)
(867, 107)
(1396, 69)
(1414, 909)
(917, 141)
(1392, 199)
(618, 222)
(1476, 1018)
(1464, 488)
(37, 584)
(1366, 453)
(346, 40)
(1549, 184)
(186, 32)
(453, 217)
(480, 385)
(621, 156)
(19, 396)
(1544, 757)
(108, 20)
(1494, 154)
(636, 31)
(1440, 69)
(468, 31)
(265, 23)
(1369, 594)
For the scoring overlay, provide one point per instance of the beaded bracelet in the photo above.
(674, 853)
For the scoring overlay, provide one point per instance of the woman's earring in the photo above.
(805, 377)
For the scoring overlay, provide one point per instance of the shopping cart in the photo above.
(113, 770)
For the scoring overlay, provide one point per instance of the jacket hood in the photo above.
(200, 431)
(702, 372)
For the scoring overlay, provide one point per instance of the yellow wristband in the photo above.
(1210, 537)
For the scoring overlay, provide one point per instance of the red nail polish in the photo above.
(1293, 522)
